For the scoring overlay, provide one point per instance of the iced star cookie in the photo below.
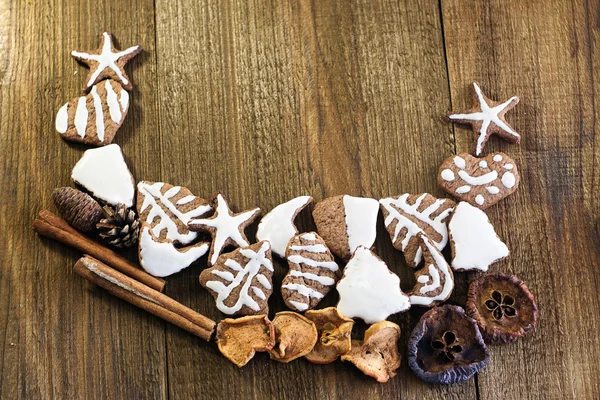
(278, 225)
(347, 222)
(312, 274)
(407, 215)
(474, 242)
(226, 228)
(107, 62)
(487, 119)
(104, 173)
(369, 290)
(95, 118)
(241, 281)
(482, 182)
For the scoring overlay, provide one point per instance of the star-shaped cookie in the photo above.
(226, 228)
(107, 62)
(487, 118)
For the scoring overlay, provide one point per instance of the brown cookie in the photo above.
(295, 336)
(239, 339)
(312, 274)
(226, 228)
(334, 335)
(241, 281)
(107, 62)
(487, 119)
(408, 215)
(346, 222)
(482, 182)
(95, 118)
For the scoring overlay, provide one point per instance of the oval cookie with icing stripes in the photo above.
(313, 272)
(95, 118)
(482, 182)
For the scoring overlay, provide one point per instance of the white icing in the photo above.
(438, 266)
(508, 166)
(423, 279)
(106, 59)
(313, 248)
(226, 227)
(162, 258)
(81, 117)
(62, 119)
(114, 108)
(488, 115)
(308, 236)
(493, 189)
(155, 199)
(460, 162)
(361, 221)
(298, 259)
(392, 205)
(448, 175)
(463, 189)
(99, 113)
(185, 200)
(479, 199)
(104, 173)
(303, 290)
(509, 180)
(497, 158)
(476, 244)
(369, 290)
(483, 164)
(478, 180)
(278, 225)
(251, 270)
(323, 280)
(299, 306)
(124, 100)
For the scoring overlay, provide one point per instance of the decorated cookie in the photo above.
(94, 119)
(226, 228)
(346, 222)
(278, 225)
(167, 209)
(377, 355)
(313, 272)
(474, 242)
(239, 339)
(369, 290)
(408, 215)
(160, 257)
(334, 335)
(480, 181)
(435, 280)
(295, 336)
(241, 281)
(107, 62)
(104, 173)
(487, 119)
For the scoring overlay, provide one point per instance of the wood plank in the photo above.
(266, 100)
(544, 53)
(60, 337)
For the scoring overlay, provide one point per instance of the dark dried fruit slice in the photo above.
(334, 332)
(502, 306)
(446, 346)
(295, 336)
(239, 339)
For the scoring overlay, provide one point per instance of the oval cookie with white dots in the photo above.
(482, 182)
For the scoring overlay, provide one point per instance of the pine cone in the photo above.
(119, 227)
(79, 209)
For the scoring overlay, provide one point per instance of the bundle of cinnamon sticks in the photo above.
(122, 278)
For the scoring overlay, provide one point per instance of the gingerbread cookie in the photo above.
(408, 215)
(168, 209)
(347, 222)
(241, 281)
(94, 119)
(435, 280)
(480, 181)
(107, 62)
(369, 290)
(226, 228)
(474, 242)
(313, 272)
(487, 118)
(104, 173)
(278, 225)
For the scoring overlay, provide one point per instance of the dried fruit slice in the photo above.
(239, 339)
(295, 336)
(334, 332)
(446, 346)
(502, 306)
(377, 356)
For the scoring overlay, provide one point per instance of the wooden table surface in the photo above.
(270, 99)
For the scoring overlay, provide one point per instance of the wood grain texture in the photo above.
(265, 100)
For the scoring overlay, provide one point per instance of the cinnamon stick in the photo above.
(52, 226)
(144, 297)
